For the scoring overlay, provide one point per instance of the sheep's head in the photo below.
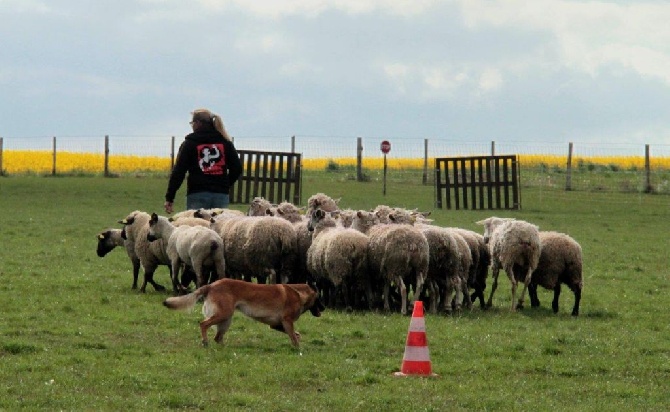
(105, 243)
(491, 224)
(316, 216)
(259, 207)
(154, 228)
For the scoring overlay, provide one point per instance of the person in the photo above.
(211, 161)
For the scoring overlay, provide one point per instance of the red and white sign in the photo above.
(385, 146)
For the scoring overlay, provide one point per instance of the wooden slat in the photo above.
(478, 182)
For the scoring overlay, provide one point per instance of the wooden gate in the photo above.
(480, 182)
(275, 176)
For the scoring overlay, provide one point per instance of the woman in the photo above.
(211, 161)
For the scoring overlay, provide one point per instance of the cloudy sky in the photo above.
(549, 70)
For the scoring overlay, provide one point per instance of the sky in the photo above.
(465, 70)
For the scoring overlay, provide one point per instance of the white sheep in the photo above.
(150, 254)
(514, 246)
(560, 262)
(340, 255)
(110, 239)
(196, 246)
(396, 253)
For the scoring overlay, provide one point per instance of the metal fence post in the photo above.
(2, 171)
(359, 159)
(647, 170)
(53, 164)
(106, 155)
(568, 171)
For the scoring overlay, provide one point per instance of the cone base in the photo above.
(430, 375)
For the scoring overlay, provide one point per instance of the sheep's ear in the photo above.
(127, 221)
(154, 218)
(481, 222)
(170, 219)
(101, 236)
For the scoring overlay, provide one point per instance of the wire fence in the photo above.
(596, 168)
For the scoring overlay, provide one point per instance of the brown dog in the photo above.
(275, 305)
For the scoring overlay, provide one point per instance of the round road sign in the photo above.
(385, 146)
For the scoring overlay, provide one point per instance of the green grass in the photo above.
(74, 336)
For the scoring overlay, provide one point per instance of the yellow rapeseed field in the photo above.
(42, 162)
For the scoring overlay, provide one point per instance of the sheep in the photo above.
(481, 259)
(514, 246)
(111, 238)
(338, 254)
(196, 246)
(197, 213)
(258, 246)
(323, 202)
(395, 252)
(444, 266)
(259, 207)
(150, 254)
(560, 262)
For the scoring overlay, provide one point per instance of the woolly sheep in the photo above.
(196, 246)
(338, 254)
(258, 246)
(323, 202)
(481, 259)
(110, 239)
(444, 267)
(396, 252)
(150, 254)
(514, 246)
(560, 262)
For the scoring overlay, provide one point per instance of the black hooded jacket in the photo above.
(211, 161)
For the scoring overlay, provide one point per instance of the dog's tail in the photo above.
(187, 301)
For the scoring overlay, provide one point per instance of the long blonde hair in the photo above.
(206, 116)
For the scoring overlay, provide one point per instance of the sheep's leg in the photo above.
(532, 294)
(494, 274)
(512, 279)
(448, 290)
(526, 282)
(458, 296)
(403, 295)
(557, 294)
(578, 297)
(419, 287)
(176, 265)
(465, 294)
(387, 289)
(136, 272)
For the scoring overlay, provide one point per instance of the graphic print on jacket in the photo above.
(211, 158)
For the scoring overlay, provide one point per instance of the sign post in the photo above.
(385, 148)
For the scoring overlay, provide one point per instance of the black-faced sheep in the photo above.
(110, 239)
(150, 254)
(560, 262)
(196, 246)
(515, 247)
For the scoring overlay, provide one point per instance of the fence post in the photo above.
(293, 144)
(425, 161)
(53, 164)
(493, 147)
(568, 171)
(106, 155)
(359, 159)
(647, 170)
(2, 171)
(172, 154)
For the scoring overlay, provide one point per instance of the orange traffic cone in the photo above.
(416, 360)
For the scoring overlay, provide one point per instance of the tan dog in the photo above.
(276, 305)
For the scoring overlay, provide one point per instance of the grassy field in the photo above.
(74, 336)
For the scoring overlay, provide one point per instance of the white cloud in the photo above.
(275, 9)
(591, 36)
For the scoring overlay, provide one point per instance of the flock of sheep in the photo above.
(359, 259)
